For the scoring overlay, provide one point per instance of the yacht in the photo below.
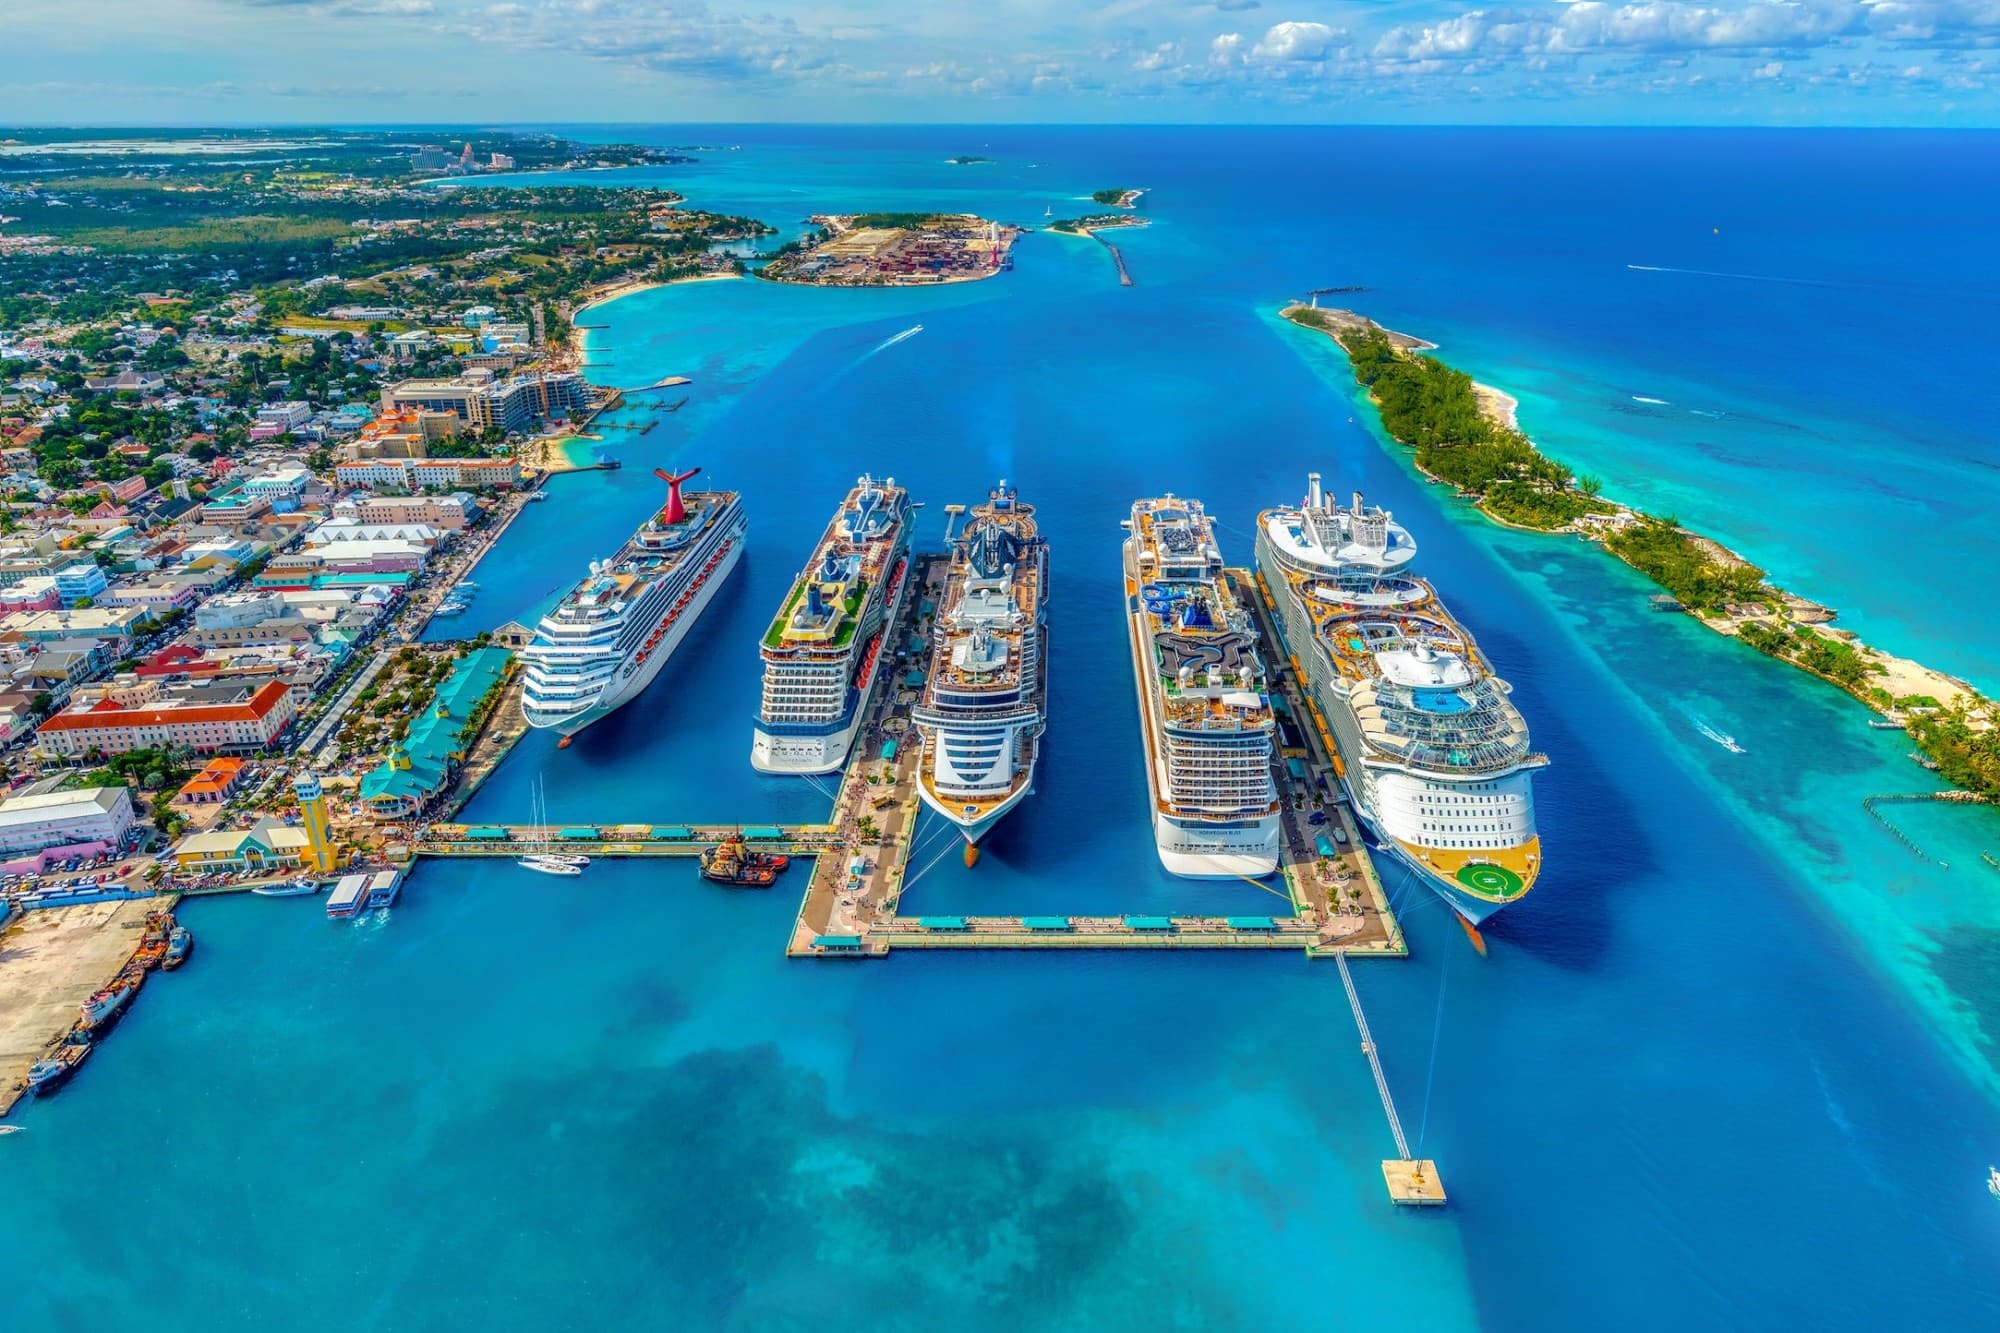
(291, 888)
(984, 702)
(1433, 754)
(547, 865)
(610, 635)
(1203, 709)
(823, 650)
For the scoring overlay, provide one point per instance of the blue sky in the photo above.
(1780, 62)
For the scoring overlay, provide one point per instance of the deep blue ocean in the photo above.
(1731, 1065)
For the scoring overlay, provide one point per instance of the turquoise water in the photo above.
(1729, 1065)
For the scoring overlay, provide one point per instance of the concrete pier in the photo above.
(56, 958)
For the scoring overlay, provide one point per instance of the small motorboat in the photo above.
(10, 1129)
(544, 865)
(291, 888)
(1993, 1181)
(179, 945)
(538, 495)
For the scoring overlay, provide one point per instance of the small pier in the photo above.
(1410, 1181)
(670, 382)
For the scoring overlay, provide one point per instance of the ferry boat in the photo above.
(1203, 706)
(610, 635)
(984, 704)
(823, 650)
(45, 1076)
(1432, 752)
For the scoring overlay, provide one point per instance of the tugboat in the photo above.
(179, 945)
(731, 862)
(45, 1076)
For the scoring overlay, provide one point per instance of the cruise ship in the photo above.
(610, 634)
(823, 649)
(984, 701)
(1202, 704)
(1433, 754)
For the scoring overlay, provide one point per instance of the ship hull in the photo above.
(1202, 853)
(1470, 906)
(799, 755)
(622, 692)
(972, 830)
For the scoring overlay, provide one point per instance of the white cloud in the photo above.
(1297, 41)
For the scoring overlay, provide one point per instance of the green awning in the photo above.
(1252, 923)
(579, 834)
(1045, 922)
(672, 833)
(486, 834)
(913, 680)
(941, 922)
(1148, 923)
(836, 941)
(764, 833)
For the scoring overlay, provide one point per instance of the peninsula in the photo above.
(893, 250)
(1117, 198)
(1466, 435)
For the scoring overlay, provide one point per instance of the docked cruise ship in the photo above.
(1202, 704)
(1431, 749)
(822, 651)
(985, 698)
(610, 634)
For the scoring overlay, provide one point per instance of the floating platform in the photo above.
(1413, 1184)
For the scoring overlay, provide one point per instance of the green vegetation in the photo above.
(1966, 756)
(1095, 221)
(1835, 659)
(910, 221)
(1432, 408)
(1657, 548)
(967, 160)
(1108, 196)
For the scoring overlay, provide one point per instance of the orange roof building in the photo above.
(215, 783)
(242, 721)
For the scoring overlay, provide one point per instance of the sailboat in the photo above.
(543, 862)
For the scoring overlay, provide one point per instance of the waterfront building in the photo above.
(268, 845)
(1204, 713)
(480, 399)
(207, 718)
(610, 635)
(822, 652)
(984, 708)
(421, 766)
(101, 815)
(1429, 746)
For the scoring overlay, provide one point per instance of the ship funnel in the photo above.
(1357, 504)
(675, 511)
(1314, 496)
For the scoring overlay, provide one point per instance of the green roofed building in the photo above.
(423, 763)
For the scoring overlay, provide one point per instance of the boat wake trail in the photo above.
(889, 342)
(1722, 738)
(1740, 277)
(1651, 402)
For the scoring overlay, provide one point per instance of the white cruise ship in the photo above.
(611, 633)
(985, 697)
(823, 650)
(1202, 705)
(1430, 747)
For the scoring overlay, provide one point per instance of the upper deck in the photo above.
(992, 604)
(855, 560)
(1318, 540)
(687, 524)
(1208, 672)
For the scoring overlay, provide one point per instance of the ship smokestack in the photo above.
(1313, 493)
(1357, 504)
(675, 512)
